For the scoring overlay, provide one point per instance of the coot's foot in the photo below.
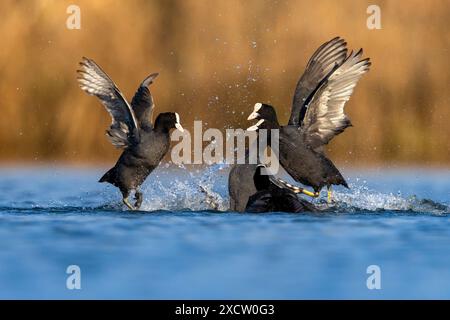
(138, 197)
(329, 195)
(128, 204)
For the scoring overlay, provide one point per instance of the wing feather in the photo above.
(142, 102)
(94, 81)
(325, 117)
(324, 59)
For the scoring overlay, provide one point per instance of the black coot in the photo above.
(144, 144)
(317, 115)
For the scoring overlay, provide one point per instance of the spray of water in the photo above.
(207, 189)
(360, 198)
(193, 190)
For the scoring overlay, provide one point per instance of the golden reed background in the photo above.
(216, 59)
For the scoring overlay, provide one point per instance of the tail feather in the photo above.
(340, 180)
(344, 183)
(109, 176)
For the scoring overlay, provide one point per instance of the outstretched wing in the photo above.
(142, 102)
(325, 117)
(327, 56)
(94, 81)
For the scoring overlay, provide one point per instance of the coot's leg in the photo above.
(283, 184)
(125, 194)
(138, 197)
(314, 194)
(329, 195)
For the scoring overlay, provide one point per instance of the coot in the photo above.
(144, 143)
(317, 115)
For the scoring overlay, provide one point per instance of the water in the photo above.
(184, 245)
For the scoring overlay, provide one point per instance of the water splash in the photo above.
(199, 188)
(207, 189)
(197, 191)
(361, 198)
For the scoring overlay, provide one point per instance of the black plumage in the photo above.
(241, 186)
(317, 114)
(271, 197)
(144, 144)
(304, 164)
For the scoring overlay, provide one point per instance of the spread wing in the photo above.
(143, 104)
(328, 55)
(325, 117)
(94, 81)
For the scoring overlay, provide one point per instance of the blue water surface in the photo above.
(184, 244)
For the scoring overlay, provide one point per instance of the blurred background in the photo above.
(216, 59)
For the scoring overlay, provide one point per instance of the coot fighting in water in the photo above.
(317, 115)
(144, 143)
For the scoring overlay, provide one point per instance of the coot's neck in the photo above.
(161, 129)
(270, 124)
(261, 181)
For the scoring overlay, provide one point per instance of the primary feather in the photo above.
(325, 117)
(324, 59)
(142, 102)
(94, 81)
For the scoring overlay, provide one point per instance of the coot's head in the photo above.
(168, 120)
(266, 116)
